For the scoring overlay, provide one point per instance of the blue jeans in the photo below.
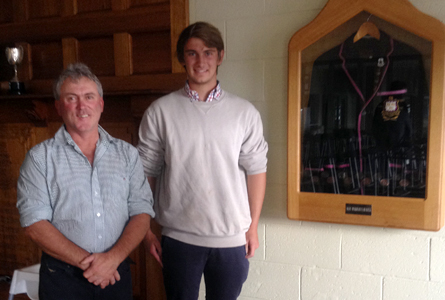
(59, 280)
(225, 270)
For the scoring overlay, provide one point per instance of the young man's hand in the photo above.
(252, 242)
(153, 245)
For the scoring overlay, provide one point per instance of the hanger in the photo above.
(367, 28)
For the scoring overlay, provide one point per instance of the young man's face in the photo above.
(201, 63)
(80, 105)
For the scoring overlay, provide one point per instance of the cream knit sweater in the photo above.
(200, 153)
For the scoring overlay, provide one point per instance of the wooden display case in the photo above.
(366, 116)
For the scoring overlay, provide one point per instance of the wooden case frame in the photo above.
(412, 213)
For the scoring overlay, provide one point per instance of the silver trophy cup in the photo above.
(15, 57)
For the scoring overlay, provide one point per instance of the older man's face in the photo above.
(80, 105)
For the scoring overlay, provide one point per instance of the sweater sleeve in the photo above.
(150, 146)
(253, 154)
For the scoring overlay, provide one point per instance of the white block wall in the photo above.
(304, 260)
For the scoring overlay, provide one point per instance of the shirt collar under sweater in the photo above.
(215, 94)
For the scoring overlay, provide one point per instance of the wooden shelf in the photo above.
(112, 85)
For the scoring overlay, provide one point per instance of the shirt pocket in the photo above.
(116, 191)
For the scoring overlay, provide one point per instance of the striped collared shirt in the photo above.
(89, 204)
(215, 94)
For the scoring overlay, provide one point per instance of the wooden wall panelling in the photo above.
(149, 83)
(6, 15)
(117, 109)
(10, 112)
(46, 9)
(145, 19)
(24, 71)
(136, 3)
(123, 62)
(179, 19)
(69, 8)
(47, 59)
(70, 50)
(101, 34)
(40, 9)
(86, 6)
(139, 273)
(7, 71)
(19, 11)
(151, 54)
(139, 103)
(98, 54)
(15, 140)
(65, 37)
(120, 4)
(155, 282)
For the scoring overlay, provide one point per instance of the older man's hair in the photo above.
(75, 72)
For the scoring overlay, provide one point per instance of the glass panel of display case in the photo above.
(364, 110)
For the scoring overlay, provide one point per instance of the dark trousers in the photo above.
(225, 270)
(59, 280)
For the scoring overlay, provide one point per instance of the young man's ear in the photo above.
(220, 57)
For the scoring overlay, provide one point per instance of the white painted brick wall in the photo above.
(303, 245)
(304, 260)
(405, 289)
(263, 282)
(378, 252)
(437, 272)
(338, 285)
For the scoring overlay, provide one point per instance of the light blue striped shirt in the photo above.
(90, 205)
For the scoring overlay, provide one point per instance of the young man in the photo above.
(83, 198)
(204, 151)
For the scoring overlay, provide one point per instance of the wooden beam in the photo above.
(123, 62)
(120, 4)
(19, 11)
(70, 48)
(149, 19)
(140, 84)
(179, 19)
(69, 8)
(25, 67)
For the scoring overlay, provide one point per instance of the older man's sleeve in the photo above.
(33, 199)
(140, 198)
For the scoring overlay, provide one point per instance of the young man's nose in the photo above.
(199, 59)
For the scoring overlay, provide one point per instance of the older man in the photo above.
(83, 198)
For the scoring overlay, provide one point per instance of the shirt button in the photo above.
(95, 193)
(98, 214)
(99, 237)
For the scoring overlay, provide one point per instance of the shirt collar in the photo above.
(215, 94)
(62, 136)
